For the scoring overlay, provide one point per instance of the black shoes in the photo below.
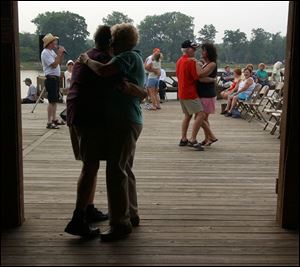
(94, 215)
(81, 228)
(183, 142)
(135, 221)
(79, 225)
(116, 232)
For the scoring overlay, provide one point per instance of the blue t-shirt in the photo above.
(130, 66)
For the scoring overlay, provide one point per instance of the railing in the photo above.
(171, 77)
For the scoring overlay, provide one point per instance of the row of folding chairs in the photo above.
(264, 104)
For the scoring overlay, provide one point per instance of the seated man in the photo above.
(31, 93)
(227, 77)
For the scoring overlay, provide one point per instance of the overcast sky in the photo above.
(243, 15)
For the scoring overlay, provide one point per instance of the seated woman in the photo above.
(261, 75)
(234, 86)
(245, 88)
(276, 74)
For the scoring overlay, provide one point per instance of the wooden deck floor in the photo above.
(215, 207)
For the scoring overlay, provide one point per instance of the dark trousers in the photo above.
(162, 89)
(120, 180)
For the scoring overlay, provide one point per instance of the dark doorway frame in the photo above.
(12, 200)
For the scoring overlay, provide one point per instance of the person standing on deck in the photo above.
(126, 125)
(206, 88)
(187, 92)
(51, 66)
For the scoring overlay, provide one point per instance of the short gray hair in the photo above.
(184, 50)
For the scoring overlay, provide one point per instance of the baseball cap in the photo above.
(189, 44)
(27, 80)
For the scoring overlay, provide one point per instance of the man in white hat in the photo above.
(51, 66)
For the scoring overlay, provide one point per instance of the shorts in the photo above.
(243, 96)
(191, 106)
(102, 143)
(52, 88)
(89, 143)
(152, 83)
(209, 104)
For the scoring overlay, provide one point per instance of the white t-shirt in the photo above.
(31, 93)
(48, 57)
(155, 65)
(68, 76)
(148, 61)
(163, 75)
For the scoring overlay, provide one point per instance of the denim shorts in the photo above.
(243, 96)
(152, 83)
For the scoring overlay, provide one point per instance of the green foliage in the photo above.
(207, 34)
(29, 47)
(166, 31)
(116, 18)
(69, 27)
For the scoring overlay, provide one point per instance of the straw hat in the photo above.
(49, 38)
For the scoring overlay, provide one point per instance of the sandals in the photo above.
(211, 141)
(191, 144)
(198, 147)
(183, 143)
(51, 126)
(57, 122)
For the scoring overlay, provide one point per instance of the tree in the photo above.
(69, 27)
(259, 45)
(116, 18)
(277, 48)
(235, 45)
(29, 47)
(207, 34)
(166, 31)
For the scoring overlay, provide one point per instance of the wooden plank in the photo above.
(195, 208)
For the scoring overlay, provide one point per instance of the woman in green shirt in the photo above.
(262, 76)
(126, 111)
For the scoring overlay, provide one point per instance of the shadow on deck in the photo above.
(215, 207)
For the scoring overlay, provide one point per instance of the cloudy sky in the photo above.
(230, 15)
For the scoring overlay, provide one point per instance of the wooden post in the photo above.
(12, 203)
(288, 180)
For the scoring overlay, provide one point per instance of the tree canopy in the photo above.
(69, 27)
(116, 18)
(207, 34)
(166, 31)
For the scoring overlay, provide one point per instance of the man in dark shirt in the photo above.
(87, 120)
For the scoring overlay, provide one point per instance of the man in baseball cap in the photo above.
(187, 93)
(189, 44)
(31, 93)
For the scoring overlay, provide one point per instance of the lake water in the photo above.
(33, 74)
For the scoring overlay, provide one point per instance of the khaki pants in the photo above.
(120, 180)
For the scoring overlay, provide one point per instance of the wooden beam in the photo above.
(12, 203)
(288, 180)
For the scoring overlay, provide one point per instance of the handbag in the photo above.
(63, 115)
(235, 113)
